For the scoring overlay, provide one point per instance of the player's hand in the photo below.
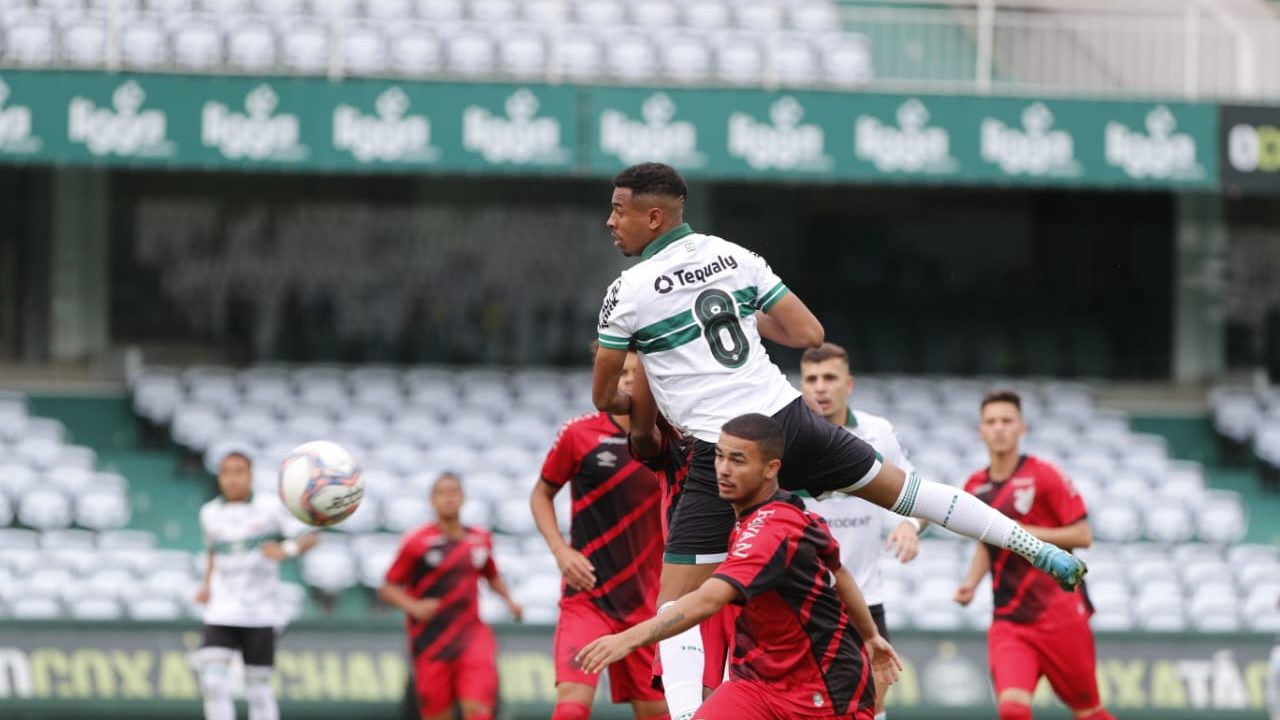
(577, 570)
(516, 610)
(907, 540)
(202, 595)
(273, 551)
(603, 652)
(424, 609)
(885, 664)
(964, 595)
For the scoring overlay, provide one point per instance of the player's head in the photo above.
(630, 367)
(235, 476)
(648, 200)
(748, 456)
(825, 381)
(447, 497)
(1000, 421)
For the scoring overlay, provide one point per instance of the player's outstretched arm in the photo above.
(605, 375)
(1068, 537)
(499, 587)
(420, 609)
(681, 615)
(978, 569)
(646, 438)
(789, 322)
(885, 664)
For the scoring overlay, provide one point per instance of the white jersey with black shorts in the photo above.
(688, 308)
(244, 608)
(858, 525)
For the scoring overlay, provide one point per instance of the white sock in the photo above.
(1273, 684)
(682, 665)
(882, 716)
(257, 691)
(960, 512)
(217, 695)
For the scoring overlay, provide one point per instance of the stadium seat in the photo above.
(600, 13)
(252, 47)
(630, 58)
(469, 52)
(126, 540)
(513, 517)
(363, 52)
(6, 511)
(405, 513)
(712, 15)
(1116, 523)
(374, 566)
(685, 59)
(44, 509)
(544, 12)
(84, 43)
(29, 41)
(17, 539)
(34, 607)
(847, 63)
(305, 49)
(522, 52)
(1168, 523)
(440, 11)
(813, 17)
(103, 510)
(328, 570)
(367, 518)
(414, 52)
(16, 478)
(153, 609)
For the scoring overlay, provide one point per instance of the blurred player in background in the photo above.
(696, 308)
(612, 560)
(803, 626)
(826, 383)
(435, 580)
(247, 536)
(1038, 628)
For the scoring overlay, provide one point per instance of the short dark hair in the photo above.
(236, 454)
(1002, 395)
(824, 352)
(653, 178)
(446, 475)
(763, 430)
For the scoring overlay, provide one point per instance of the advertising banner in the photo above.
(1250, 149)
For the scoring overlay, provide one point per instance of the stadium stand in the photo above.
(481, 39)
(409, 425)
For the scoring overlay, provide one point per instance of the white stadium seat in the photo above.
(252, 47)
(305, 49)
(44, 509)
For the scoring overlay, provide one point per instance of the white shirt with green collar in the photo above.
(688, 307)
(244, 587)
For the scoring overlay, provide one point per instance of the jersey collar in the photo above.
(662, 241)
(850, 420)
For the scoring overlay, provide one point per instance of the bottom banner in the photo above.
(331, 670)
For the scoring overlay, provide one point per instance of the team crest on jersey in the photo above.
(1023, 498)
(479, 556)
(607, 459)
(434, 557)
(817, 700)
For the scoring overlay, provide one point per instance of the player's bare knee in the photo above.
(573, 692)
(474, 710)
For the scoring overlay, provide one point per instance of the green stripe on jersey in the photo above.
(250, 543)
(612, 342)
(774, 295)
(746, 299)
(694, 559)
(654, 331)
(671, 341)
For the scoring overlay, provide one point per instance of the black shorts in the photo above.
(257, 645)
(877, 614)
(819, 458)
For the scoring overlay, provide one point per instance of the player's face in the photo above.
(234, 478)
(447, 498)
(629, 368)
(826, 386)
(630, 224)
(1001, 427)
(741, 471)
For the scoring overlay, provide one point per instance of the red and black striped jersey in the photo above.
(793, 632)
(616, 520)
(1037, 494)
(431, 564)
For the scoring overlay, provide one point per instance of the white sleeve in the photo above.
(617, 317)
(205, 536)
(769, 287)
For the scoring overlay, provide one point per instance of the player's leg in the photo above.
(435, 684)
(580, 622)
(697, 541)
(214, 661)
(740, 700)
(823, 459)
(1015, 669)
(1070, 662)
(259, 660)
(477, 676)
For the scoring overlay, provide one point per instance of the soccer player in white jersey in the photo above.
(247, 535)
(696, 308)
(826, 384)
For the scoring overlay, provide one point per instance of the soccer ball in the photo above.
(320, 483)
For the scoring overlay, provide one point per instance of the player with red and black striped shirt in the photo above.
(435, 580)
(612, 561)
(1038, 628)
(806, 645)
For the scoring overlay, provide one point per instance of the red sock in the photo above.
(1014, 711)
(570, 711)
(1099, 714)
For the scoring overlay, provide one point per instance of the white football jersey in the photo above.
(689, 309)
(244, 587)
(857, 524)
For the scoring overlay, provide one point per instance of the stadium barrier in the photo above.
(313, 125)
(344, 669)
